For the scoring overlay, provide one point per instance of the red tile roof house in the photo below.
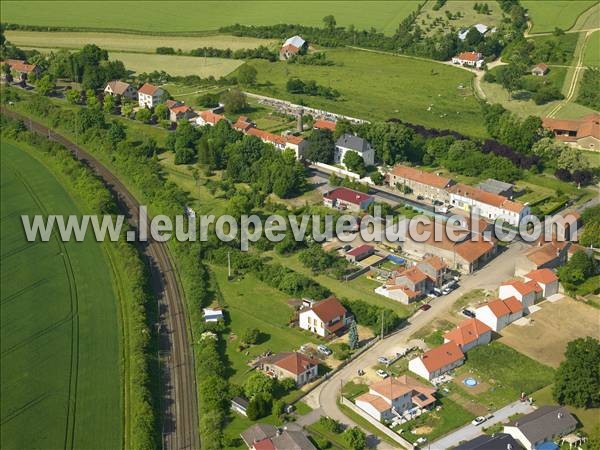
(295, 143)
(437, 361)
(583, 133)
(527, 292)
(426, 184)
(243, 124)
(347, 199)
(546, 279)
(21, 68)
(395, 396)
(120, 88)
(208, 118)
(296, 366)
(149, 95)
(469, 334)
(407, 286)
(181, 112)
(499, 313)
(539, 70)
(325, 318)
(292, 46)
(472, 59)
(324, 124)
(547, 255)
(359, 253)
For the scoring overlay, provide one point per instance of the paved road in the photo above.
(325, 396)
(180, 413)
(469, 432)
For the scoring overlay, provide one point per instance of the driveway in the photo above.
(469, 432)
(325, 395)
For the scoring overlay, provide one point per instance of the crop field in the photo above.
(185, 17)
(592, 50)
(546, 15)
(60, 357)
(129, 42)
(469, 17)
(380, 86)
(588, 19)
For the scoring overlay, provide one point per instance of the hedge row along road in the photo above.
(179, 396)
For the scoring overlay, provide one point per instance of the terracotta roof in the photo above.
(329, 309)
(293, 362)
(486, 197)
(322, 123)
(421, 176)
(513, 304)
(469, 56)
(118, 87)
(361, 250)
(467, 331)
(414, 274)
(266, 136)
(498, 307)
(243, 124)
(148, 89)
(442, 356)
(421, 395)
(471, 251)
(436, 262)
(172, 103)
(20, 65)
(290, 48)
(375, 401)
(523, 287)
(400, 287)
(584, 127)
(347, 195)
(265, 444)
(544, 276)
(543, 254)
(180, 109)
(210, 117)
(390, 388)
(290, 138)
(541, 66)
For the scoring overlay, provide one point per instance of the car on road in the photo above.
(420, 197)
(383, 360)
(382, 373)
(468, 313)
(446, 291)
(425, 307)
(478, 420)
(324, 350)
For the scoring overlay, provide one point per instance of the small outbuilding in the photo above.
(539, 70)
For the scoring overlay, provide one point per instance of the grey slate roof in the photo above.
(257, 433)
(495, 186)
(545, 422)
(499, 441)
(292, 440)
(352, 142)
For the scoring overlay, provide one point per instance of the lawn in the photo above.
(378, 86)
(136, 43)
(193, 17)
(547, 15)
(469, 17)
(503, 373)
(252, 304)
(592, 50)
(60, 363)
(435, 424)
(556, 324)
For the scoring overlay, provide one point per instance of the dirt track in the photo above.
(179, 395)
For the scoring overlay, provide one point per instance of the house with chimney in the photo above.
(395, 397)
(470, 59)
(122, 89)
(546, 424)
(499, 313)
(325, 318)
(347, 199)
(437, 361)
(421, 183)
(294, 365)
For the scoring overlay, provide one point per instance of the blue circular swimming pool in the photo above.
(471, 382)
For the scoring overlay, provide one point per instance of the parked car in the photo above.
(437, 292)
(468, 313)
(420, 197)
(425, 307)
(324, 350)
(446, 291)
(382, 373)
(478, 420)
(383, 360)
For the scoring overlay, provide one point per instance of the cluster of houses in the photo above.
(262, 436)
(515, 299)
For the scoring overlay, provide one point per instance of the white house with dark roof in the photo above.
(349, 142)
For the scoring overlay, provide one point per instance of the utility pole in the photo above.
(382, 325)
(228, 265)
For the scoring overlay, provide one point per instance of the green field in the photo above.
(469, 17)
(592, 50)
(380, 86)
(182, 16)
(60, 331)
(547, 15)
(128, 42)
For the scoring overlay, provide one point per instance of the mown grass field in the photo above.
(592, 50)
(378, 86)
(469, 17)
(129, 42)
(60, 360)
(182, 16)
(546, 15)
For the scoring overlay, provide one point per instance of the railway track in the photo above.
(179, 405)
